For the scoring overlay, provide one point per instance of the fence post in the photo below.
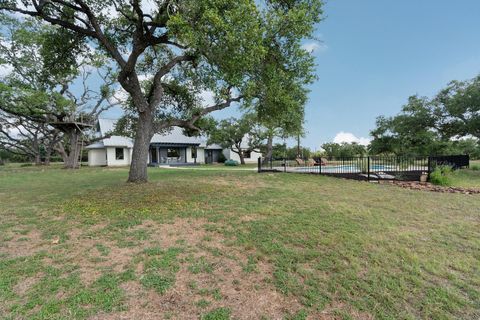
(320, 166)
(259, 164)
(284, 165)
(429, 168)
(368, 168)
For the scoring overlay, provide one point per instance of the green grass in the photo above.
(217, 314)
(342, 248)
(466, 178)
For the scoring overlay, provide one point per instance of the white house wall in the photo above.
(97, 157)
(254, 157)
(200, 155)
(106, 156)
(112, 161)
(230, 155)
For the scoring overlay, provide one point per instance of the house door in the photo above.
(208, 156)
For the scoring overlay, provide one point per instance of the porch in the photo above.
(169, 154)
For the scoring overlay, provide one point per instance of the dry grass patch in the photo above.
(23, 245)
(210, 275)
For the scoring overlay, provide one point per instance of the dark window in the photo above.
(153, 155)
(247, 153)
(194, 152)
(173, 153)
(119, 153)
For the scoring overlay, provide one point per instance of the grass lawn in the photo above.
(466, 178)
(221, 244)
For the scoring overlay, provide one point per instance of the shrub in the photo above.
(475, 167)
(441, 176)
(231, 163)
(221, 158)
(26, 165)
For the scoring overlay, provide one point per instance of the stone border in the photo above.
(426, 186)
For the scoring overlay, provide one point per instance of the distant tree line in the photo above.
(448, 123)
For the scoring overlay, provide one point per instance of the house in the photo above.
(170, 148)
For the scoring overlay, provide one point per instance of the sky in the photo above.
(374, 54)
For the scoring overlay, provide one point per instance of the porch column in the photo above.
(158, 155)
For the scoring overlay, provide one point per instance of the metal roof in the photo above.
(113, 141)
(118, 141)
(212, 147)
(176, 136)
(96, 145)
(106, 125)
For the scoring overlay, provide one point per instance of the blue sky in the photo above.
(376, 53)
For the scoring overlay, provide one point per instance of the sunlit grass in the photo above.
(342, 247)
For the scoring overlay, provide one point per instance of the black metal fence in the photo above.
(456, 162)
(365, 168)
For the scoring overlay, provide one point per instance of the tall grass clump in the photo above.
(441, 176)
(475, 167)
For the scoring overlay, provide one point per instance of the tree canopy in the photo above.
(457, 108)
(45, 64)
(447, 123)
(241, 135)
(343, 150)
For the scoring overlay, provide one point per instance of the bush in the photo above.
(441, 176)
(26, 165)
(231, 163)
(221, 158)
(475, 167)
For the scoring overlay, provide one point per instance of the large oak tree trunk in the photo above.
(49, 150)
(37, 159)
(72, 157)
(36, 150)
(143, 135)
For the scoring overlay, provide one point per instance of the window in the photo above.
(173, 153)
(153, 155)
(194, 152)
(119, 154)
(247, 153)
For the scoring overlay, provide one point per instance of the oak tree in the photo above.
(217, 44)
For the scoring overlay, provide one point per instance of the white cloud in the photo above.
(314, 47)
(119, 96)
(349, 138)
(15, 131)
(5, 69)
(208, 98)
(149, 6)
